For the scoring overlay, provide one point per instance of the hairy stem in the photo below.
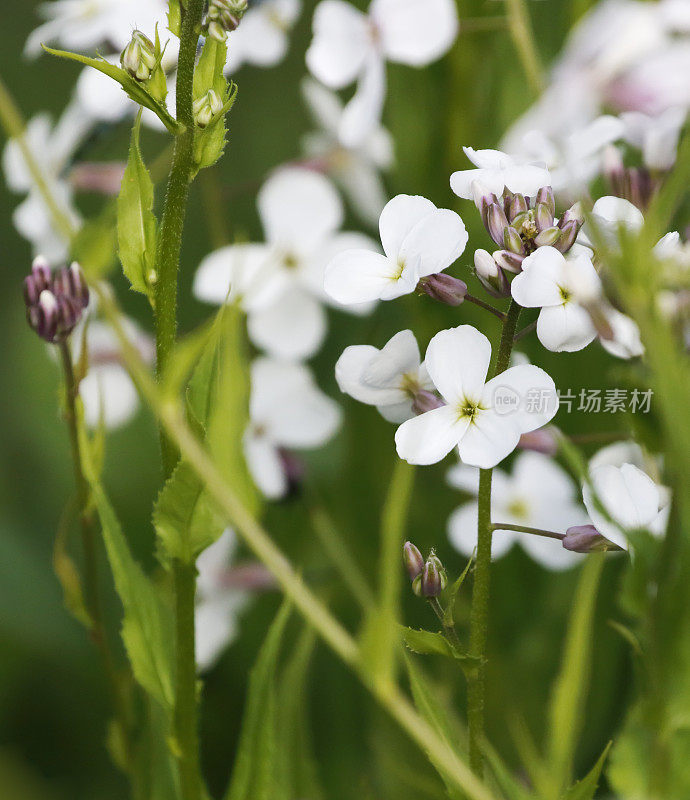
(479, 613)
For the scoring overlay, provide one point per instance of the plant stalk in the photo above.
(479, 613)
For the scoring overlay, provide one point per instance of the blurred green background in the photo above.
(53, 712)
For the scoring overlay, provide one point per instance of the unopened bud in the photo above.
(512, 262)
(543, 217)
(206, 108)
(512, 241)
(434, 577)
(412, 558)
(490, 274)
(575, 213)
(216, 30)
(444, 288)
(544, 440)
(37, 281)
(585, 539)
(517, 204)
(545, 196)
(548, 237)
(424, 401)
(139, 57)
(222, 17)
(54, 303)
(496, 222)
(483, 198)
(568, 236)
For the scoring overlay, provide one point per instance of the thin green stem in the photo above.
(479, 612)
(508, 526)
(523, 37)
(525, 331)
(448, 628)
(486, 306)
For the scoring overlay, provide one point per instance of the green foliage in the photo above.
(430, 643)
(95, 243)
(587, 787)
(136, 223)
(136, 90)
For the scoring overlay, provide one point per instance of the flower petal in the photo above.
(349, 370)
(565, 328)
(524, 395)
(429, 437)
(398, 218)
(362, 115)
(411, 37)
(360, 276)
(488, 440)
(457, 361)
(340, 44)
(435, 242)
(626, 342)
(539, 282)
(108, 390)
(265, 466)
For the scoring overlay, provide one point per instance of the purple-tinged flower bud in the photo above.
(496, 222)
(548, 237)
(444, 288)
(424, 401)
(512, 241)
(545, 196)
(293, 469)
(412, 558)
(585, 539)
(490, 274)
(575, 213)
(517, 204)
(483, 198)
(543, 217)
(512, 262)
(544, 440)
(54, 302)
(417, 585)
(568, 236)
(38, 281)
(43, 315)
(434, 577)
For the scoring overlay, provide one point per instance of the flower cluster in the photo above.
(55, 301)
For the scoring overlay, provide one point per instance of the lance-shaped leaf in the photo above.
(136, 223)
(133, 88)
(587, 787)
(431, 643)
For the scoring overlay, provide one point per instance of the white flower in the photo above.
(538, 494)
(560, 287)
(484, 420)
(262, 37)
(286, 410)
(631, 500)
(280, 283)
(497, 171)
(387, 378)
(656, 136)
(418, 240)
(356, 169)
(349, 45)
(83, 25)
(609, 215)
(217, 604)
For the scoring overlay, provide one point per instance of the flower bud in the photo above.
(434, 577)
(222, 17)
(483, 198)
(548, 237)
(412, 558)
(543, 217)
(574, 213)
(444, 288)
(490, 275)
(39, 280)
(585, 539)
(496, 222)
(417, 585)
(517, 204)
(139, 57)
(206, 107)
(568, 236)
(54, 303)
(545, 196)
(544, 440)
(424, 401)
(216, 30)
(511, 262)
(512, 241)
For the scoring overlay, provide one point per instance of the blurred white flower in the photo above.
(387, 378)
(280, 283)
(628, 499)
(656, 136)
(497, 171)
(418, 240)
(262, 37)
(562, 288)
(538, 494)
(286, 411)
(355, 169)
(218, 604)
(84, 25)
(483, 419)
(350, 45)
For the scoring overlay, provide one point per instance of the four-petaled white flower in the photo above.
(350, 45)
(262, 38)
(483, 419)
(387, 378)
(218, 605)
(561, 287)
(355, 169)
(286, 411)
(538, 494)
(418, 240)
(280, 283)
(620, 499)
(497, 171)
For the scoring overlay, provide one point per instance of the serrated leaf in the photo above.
(587, 787)
(431, 643)
(186, 519)
(133, 88)
(136, 223)
(255, 775)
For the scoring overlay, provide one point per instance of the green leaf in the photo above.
(430, 643)
(136, 223)
(66, 570)
(255, 775)
(133, 88)
(95, 244)
(147, 629)
(587, 787)
(186, 519)
(507, 783)
(449, 613)
(437, 716)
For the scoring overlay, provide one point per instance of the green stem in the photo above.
(479, 613)
(486, 306)
(523, 39)
(448, 629)
(508, 526)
